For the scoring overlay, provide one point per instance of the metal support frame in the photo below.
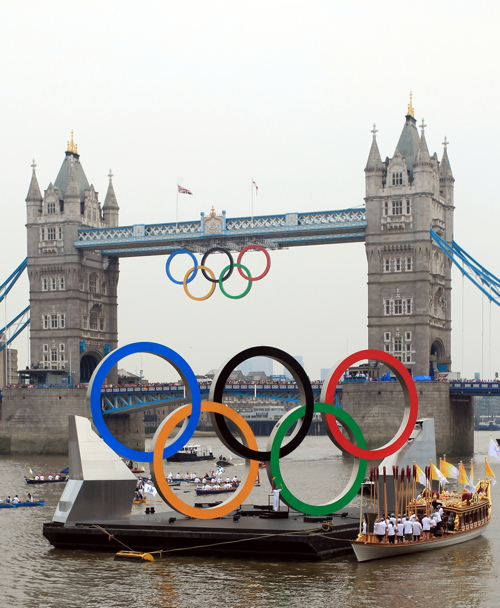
(484, 280)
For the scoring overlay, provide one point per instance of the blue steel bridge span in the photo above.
(118, 400)
(270, 231)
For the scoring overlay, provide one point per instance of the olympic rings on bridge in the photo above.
(305, 392)
(301, 416)
(410, 398)
(268, 261)
(169, 261)
(160, 481)
(224, 275)
(186, 281)
(188, 378)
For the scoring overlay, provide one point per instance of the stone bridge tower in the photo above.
(409, 277)
(73, 294)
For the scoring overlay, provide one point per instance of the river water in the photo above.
(34, 574)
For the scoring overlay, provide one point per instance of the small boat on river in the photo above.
(192, 453)
(14, 505)
(34, 480)
(201, 491)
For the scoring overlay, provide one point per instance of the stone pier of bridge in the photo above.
(35, 421)
(377, 408)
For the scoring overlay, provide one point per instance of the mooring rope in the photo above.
(161, 552)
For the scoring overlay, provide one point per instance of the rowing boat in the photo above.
(32, 480)
(209, 490)
(14, 505)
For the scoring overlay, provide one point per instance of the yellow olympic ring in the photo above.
(212, 288)
(160, 481)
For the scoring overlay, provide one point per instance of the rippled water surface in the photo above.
(33, 574)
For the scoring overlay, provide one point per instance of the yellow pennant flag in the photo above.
(462, 475)
(488, 470)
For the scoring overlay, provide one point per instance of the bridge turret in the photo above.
(110, 208)
(375, 168)
(425, 168)
(446, 179)
(34, 198)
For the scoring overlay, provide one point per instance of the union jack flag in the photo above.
(182, 190)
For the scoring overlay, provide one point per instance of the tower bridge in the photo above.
(406, 225)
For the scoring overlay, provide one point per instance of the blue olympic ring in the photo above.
(169, 261)
(192, 393)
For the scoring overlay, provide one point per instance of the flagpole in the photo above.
(251, 197)
(177, 208)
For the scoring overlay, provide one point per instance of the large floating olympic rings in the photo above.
(305, 392)
(169, 496)
(274, 471)
(188, 378)
(410, 398)
(224, 275)
(301, 416)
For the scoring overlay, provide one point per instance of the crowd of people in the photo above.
(412, 528)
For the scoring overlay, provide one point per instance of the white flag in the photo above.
(494, 450)
(150, 489)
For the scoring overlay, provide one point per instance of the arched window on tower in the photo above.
(93, 282)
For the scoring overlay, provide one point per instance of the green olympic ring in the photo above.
(244, 293)
(274, 470)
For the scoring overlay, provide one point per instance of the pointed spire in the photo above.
(72, 187)
(411, 111)
(374, 160)
(34, 193)
(422, 155)
(110, 201)
(445, 171)
(72, 147)
(110, 208)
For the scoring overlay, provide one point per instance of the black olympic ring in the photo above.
(231, 264)
(305, 392)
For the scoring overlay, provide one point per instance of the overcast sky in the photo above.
(211, 94)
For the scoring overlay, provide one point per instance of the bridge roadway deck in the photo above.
(119, 399)
(269, 231)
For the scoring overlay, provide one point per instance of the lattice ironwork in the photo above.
(272, 232)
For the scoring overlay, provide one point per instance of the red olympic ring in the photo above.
(268, 261)
(410, 397)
